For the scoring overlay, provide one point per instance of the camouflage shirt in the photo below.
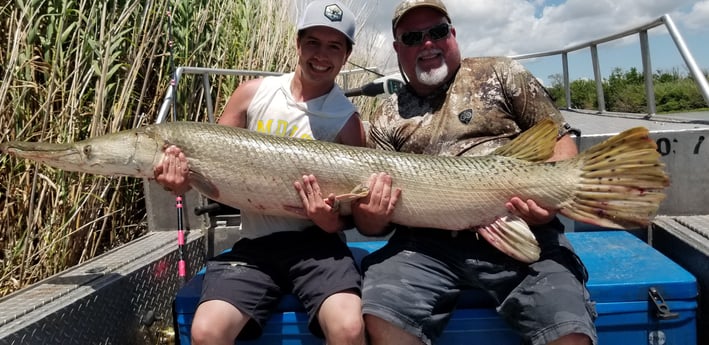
(489, 102)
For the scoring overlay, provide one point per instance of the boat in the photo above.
(134, 294)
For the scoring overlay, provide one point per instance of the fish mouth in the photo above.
(39, 151)
(5, 147)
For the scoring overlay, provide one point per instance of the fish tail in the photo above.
(621, 183)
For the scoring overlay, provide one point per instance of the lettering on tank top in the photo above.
(282, 129)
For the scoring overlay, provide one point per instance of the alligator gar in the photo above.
(617, 184)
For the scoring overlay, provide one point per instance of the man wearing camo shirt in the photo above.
(463, 107)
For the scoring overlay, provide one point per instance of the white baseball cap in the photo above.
(330, 13)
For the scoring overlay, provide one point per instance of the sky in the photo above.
(515, 27)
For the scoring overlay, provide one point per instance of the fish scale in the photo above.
(618, 183)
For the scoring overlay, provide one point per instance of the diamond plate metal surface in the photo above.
(685, 240)
(698, 224)
(104, 300)
(691, 230)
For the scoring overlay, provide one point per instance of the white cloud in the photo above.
(507, 27)
(696, 18)
(512, 27)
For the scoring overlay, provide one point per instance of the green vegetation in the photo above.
(624, 91)
(72, 69)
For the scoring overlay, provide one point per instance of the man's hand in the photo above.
(173, 171)
(532, 213)
(373, 213)
(323, 212)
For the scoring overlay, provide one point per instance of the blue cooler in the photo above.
(641, 297)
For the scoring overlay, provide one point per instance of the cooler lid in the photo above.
(623, 268)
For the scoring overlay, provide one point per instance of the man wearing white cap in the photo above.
(460, 107)
(279, 255)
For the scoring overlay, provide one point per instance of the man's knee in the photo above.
(347, 330)
(375, 325)
(382, 332)
(204, 333)
(341, 320)
(216, 322)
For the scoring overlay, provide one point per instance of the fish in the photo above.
(618, 183)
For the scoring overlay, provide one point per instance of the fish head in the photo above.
(127, 153)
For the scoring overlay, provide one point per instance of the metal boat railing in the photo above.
(642, 31)
(205, 73)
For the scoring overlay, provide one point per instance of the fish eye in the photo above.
(87, 150)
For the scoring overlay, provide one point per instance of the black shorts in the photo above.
(311, 264)
(415, 280)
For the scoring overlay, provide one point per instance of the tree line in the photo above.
(624, 91)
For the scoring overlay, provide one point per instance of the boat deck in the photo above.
(592, 123)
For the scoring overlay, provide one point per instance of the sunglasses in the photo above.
(414, 38)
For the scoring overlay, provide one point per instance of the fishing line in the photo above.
(181, 265)
(366, 69)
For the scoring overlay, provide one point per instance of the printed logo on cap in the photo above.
(333, 12)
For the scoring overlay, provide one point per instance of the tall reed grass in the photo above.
(73, 69)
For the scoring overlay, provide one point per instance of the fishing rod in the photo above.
(181, 264)
(366, 69)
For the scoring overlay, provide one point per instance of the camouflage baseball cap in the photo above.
(331, 13)
(407, 5)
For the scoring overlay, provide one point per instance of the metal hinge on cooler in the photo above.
(662, 310)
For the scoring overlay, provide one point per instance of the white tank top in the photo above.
(273, 110)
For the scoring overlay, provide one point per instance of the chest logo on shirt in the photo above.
(465, 116)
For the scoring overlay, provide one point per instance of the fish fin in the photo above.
(512, 236)
(621, 183)
(359, 191)
(535, 144)
(203, 185)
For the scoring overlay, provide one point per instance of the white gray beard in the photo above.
(433, 77)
